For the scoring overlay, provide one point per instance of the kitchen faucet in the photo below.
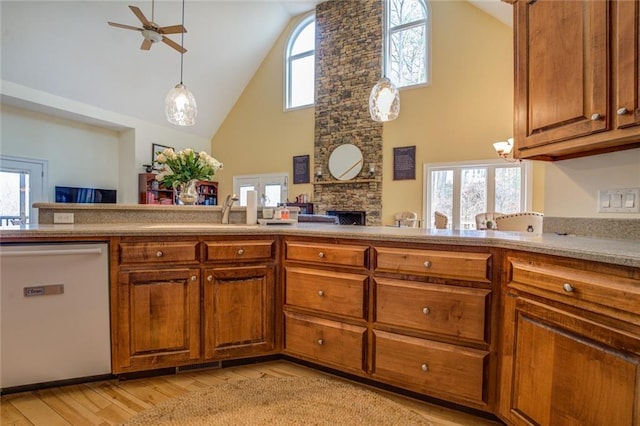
(226, 207)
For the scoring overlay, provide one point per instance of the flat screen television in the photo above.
(69, 194)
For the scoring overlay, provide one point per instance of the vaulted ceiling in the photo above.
(66, 48)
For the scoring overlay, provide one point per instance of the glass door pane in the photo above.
(441, 194)
(473, 196)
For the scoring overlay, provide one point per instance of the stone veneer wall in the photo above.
(348, 64)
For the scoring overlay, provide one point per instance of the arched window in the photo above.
(300, 64)
(407, 56)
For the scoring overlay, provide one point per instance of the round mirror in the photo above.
(345, 162)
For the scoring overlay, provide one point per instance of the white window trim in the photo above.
(427, 168)
(387, 42)
(266, 178)
(297, 29)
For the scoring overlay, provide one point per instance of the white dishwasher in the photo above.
(55, 312)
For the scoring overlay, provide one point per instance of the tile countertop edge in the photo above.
(620, 252)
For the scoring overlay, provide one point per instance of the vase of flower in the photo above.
(188, 192)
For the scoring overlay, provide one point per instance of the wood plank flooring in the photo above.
(112, 402)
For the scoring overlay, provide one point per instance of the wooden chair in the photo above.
(407, 219)
(441, 220)
(487, 220)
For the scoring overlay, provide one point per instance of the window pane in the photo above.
(441, 194)
(302, 81)
(404, 11)
(473, 196)
(243, 193)
(272, 193)
(408, 56)
(306, 39)
(508, 189)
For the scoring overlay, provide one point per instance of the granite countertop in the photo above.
(619, 252)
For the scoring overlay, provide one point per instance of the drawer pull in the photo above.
(427, 264)
(595, 117)
(159, 253)
(320, 342)
(567, 287)
(210, 278)
(321, 254)
(240, 252)
(193, 278)
(424, 367)
(426, 311)
(622, 111)
(320, 293)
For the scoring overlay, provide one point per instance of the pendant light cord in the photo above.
(182, 43)
(384, 37)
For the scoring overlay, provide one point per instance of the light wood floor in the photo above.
(112, 402)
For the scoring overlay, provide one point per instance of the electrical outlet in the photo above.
(63, 218)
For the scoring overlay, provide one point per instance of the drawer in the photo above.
(159, 252)
(455, 311)
(326, 291)
(430, 367)
(446, 264)
(573, 286)
(326, 341)
(328, 254)
(238, 251)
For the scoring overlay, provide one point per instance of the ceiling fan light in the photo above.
(384, 101)
(180, 106)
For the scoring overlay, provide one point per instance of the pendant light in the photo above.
(180, 105)
(384, 100)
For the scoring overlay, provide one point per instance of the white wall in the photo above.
(571, 186)
(85, 146)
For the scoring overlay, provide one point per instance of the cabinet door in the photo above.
(561, 80)
(238, 311)
(627, 65)
(571, 371)
(158, 319)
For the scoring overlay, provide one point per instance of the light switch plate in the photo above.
(63, 218)
(619, 200)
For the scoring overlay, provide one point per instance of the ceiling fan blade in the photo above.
(146, 44)
(173, 44)
(136, 11)
(173, 29)
(126, 27)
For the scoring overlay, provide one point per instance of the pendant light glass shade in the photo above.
(180, 106)
(384, 101)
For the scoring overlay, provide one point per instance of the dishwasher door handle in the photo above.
(55, 252)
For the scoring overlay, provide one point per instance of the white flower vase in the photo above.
(188, 193)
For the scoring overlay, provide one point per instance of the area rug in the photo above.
(280, 401)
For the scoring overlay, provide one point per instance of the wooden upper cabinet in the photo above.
(576, 67)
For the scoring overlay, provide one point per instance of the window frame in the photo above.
(526, 185)
(389, 31)
(309, 19)
(259, 181)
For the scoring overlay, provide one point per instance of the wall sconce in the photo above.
(318, 173)
(372, 170)
(504, 148)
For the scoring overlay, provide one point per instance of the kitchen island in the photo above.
(463, 316)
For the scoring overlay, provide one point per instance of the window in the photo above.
(300, 64)
(462, 190)
(272, 188)
(407, 42)
(22, 183)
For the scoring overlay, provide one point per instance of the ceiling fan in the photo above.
(151, 32)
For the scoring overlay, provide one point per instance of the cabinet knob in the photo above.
(193, 278)
(595, 117)
(320, 293)
(209, 277)
(159, 253)
(567, 287)
(426, 311)
(321, 254)
(240, 252)
(320, 342)
(424, 367)
(622, 111)
(427, 264)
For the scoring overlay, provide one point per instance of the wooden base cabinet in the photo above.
(571, 349)
(238, 311)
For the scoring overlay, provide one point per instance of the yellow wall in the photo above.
(467, 107)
